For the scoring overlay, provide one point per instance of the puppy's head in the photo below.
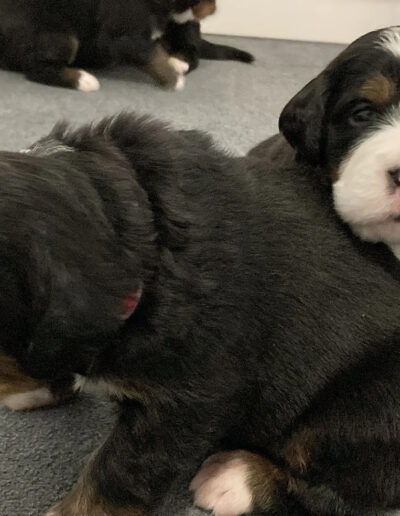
(346, 122)
(71, 221)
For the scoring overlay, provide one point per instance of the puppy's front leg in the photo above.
(21, 392)
(133, 471)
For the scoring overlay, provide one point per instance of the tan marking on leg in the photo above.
(85, 500)
(234, 483)
(74, 48)
(297, 452)
(20, 392)
(204, 8)
(13, 380)
(378, 89)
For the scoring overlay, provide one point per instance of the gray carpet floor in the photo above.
(41, 452)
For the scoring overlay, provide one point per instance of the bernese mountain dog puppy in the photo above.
(51, 40)
(222, 302)
(341, 136)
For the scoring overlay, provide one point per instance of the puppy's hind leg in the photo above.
(53, 54)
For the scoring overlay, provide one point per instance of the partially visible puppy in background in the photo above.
(50, 41)
(183, 39)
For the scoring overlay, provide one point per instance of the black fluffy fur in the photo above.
(260, 314)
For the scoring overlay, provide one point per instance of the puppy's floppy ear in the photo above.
(302, 118)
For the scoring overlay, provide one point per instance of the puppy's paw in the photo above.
(36, 398)
(29, 400)
(87, 82)
(221, 485)
(181, 68)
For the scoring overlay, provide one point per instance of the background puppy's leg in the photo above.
(20, 392)
(53, 53)
(182, 41)
(166, 70)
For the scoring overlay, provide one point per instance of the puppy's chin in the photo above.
(367, 191)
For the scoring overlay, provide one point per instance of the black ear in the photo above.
(301, 120)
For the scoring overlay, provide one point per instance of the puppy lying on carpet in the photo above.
(223, 306)
(343, 129)
(48, 39)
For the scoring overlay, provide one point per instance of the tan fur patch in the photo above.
(297, 452)
(13, 380)
(74, 41)
(264, 479)
(204, 8)
(70, 75)
(378, 89)
(84, 500)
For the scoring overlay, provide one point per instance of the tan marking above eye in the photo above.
(378, 89)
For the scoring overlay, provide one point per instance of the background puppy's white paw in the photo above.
(180, 66)
(221, 485)
(180, 83)
(41, 397)
(87, 82)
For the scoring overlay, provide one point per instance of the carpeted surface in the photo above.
(41, 453)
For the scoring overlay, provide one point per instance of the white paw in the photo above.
(29, 400)
(221, 485)
(181, 67)
(87, 82)
(180, 83)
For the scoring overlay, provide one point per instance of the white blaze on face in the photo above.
(365, 195)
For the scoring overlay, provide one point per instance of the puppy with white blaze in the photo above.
(232, 315)
(341, 131)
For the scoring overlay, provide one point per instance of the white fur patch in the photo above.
(365, 196)
(87, 82)
(29, 400)
(47, 148)
(184, 17)
(156, 34)
(390, 40)
(221, 485)
(97, 387)
(181, 68)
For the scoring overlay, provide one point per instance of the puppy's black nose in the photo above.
(394, 174)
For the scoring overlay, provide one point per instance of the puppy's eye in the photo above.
(363, 115)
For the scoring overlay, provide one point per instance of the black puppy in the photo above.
(48, 39)
(223, 307)
(344, 132)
